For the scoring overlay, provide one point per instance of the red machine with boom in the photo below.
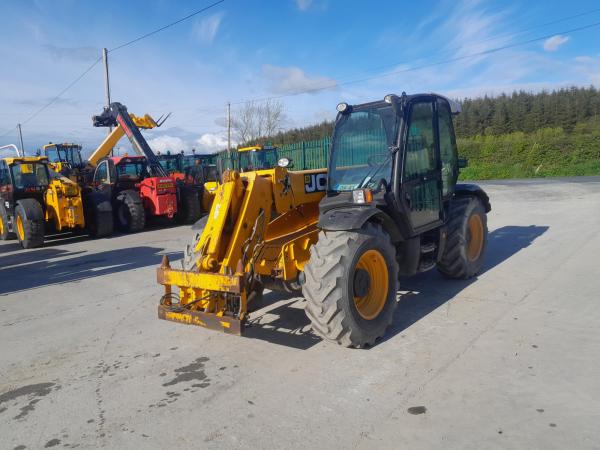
(138, 185)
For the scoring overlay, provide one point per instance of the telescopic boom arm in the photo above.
(116, 115)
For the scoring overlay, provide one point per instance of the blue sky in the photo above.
(242, 50)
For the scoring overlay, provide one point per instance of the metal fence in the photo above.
(304, 155)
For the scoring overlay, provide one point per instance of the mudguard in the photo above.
(353, 218)
(468, 189)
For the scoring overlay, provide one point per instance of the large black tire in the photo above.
(332, 279)
(467, 239)
(130, 216)
(5, 234)
(189, 208)
(99, 219)
(29, 223)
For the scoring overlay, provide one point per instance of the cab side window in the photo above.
(4, 174)
(448, 151)
(101, 175)
(420, 150)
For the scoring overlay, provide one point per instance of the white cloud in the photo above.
(306, 5)
(303, 5)
(552, 44)
(73, 53)
(206, 29)
(211, 142)
(286, 80)
(167, 143)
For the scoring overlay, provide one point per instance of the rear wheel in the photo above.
(467, 239)
(29, 223)
(130, 216)
(351, 284)
(5, 234)
(98, 216)
(189, 208)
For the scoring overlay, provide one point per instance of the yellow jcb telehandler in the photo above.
(33, 198)
(389, 205)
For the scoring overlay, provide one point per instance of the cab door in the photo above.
(421, 177)
(103, 178)
(6, 191)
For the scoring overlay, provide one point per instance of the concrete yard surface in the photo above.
(507, 360)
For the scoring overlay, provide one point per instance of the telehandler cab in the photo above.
(388, 206)
(257, 158)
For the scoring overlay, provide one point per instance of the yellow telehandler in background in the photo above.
(34, 198)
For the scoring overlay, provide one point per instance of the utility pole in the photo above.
(228, 130)
(107, 86)
(21, 139)
(106, 80)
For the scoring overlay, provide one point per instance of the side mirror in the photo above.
(462, 163)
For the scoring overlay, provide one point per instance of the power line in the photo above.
(57, 96)
(9, 131)
(505, 35)
(189, 16)
(85, 72)
(423, 66)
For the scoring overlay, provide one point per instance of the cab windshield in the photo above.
(361, 153)
(258, 159)
(29, 175)
(61, 153)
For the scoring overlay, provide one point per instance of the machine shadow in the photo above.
(288, 325)
(34, 269)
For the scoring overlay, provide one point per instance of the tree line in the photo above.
(506, 113)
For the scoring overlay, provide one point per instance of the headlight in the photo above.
(362, 196)
(342, 107)
(283, 162)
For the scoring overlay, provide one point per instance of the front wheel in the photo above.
(130, 215)
(351, 285)
(467, 239)
(29, 223)
(5, 234)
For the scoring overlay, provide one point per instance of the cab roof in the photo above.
(118, 159)
(25, 159)
(63, 144)
(256, 148)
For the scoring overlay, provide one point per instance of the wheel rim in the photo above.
(20, 229)
(372, 263)
(475, 237)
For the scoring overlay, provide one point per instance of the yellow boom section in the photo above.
(115, 136)
(259, 231)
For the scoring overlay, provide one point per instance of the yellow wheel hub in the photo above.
(1, 225)
(474, 237)
(20, 228)
(371, 283)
